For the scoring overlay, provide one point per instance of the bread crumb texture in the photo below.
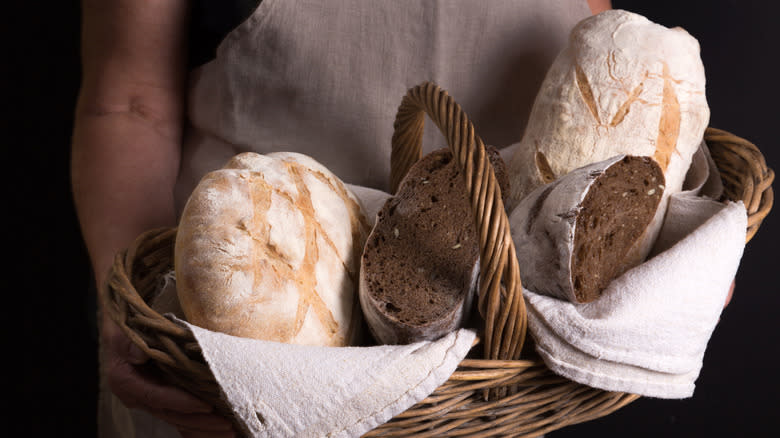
(421, 262)
(575, 235)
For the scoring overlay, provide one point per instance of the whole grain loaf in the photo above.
(573, 236)
(419, 270)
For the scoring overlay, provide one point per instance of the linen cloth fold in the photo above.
(284, 390)
(648, 332)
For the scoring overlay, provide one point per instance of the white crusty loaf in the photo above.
(623, 85)
(573, 235)
(268, 248)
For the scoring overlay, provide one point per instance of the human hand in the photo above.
(731, 293)
(137, 388)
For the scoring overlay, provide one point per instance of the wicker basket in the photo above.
(493, 392)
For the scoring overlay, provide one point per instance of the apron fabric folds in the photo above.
(325, 78)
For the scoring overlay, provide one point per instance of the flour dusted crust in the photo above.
(623, 85)
(577, 233)
(268, 248)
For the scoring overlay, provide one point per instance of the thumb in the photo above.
(730, 295)
(135, 355)
(118, 342)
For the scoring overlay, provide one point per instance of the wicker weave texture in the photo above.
(525, 398)
(500, 300)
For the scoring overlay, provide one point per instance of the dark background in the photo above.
(49, 338)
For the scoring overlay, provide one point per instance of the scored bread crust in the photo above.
(577, 233)
(420, 266)
(623, 85)
(268, 248)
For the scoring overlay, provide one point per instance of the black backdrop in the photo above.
(49, 337)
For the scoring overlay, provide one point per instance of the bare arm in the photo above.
(128, 121)
(125, 159)
(597, 6)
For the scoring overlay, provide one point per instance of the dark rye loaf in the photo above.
(420, 265)
(575, 235)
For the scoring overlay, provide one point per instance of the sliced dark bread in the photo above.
(575, 235)
(420, 266)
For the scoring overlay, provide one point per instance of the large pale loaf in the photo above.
(623, 85)
(268, 248)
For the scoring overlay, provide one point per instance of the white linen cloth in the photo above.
(648, 332)
(284, 390)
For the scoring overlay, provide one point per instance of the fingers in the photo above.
(138, 389)
(731, 293)
(216, 424)
(117, 343)
(186, 433)
(141, 390)
(137, 386)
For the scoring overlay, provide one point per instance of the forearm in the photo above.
(123, 173)
(597, 6)
(128, 121)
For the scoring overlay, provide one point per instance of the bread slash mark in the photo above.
(545, 170)
(307, 278)
(536, 208)
(587, 93)
(669, 125)
(625, 107)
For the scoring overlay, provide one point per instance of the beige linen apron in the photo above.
(325, 78)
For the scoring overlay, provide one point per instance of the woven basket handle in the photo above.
(500, 299)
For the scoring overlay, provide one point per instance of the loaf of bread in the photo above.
(268, 247)
(573, 235)
(420, 267)
(623, 85)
